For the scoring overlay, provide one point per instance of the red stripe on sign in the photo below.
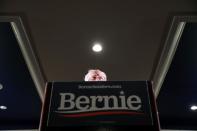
(102, 113)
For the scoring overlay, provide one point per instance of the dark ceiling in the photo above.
(132, 32)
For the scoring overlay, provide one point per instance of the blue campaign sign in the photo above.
(99, 103)
(94, 106)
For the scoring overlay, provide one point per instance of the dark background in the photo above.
(179, 90)
(133, 33)
(19, 93)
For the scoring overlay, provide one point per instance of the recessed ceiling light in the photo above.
(3, 107)
(1, 86)
(193, 108)
(97, 47)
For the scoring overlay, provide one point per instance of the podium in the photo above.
(99, 106)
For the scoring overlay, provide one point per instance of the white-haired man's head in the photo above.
(95, 75)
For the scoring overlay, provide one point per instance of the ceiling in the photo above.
(61, 33)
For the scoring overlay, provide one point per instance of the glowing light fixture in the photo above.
(3, 107)
(97, 47)
(1, 86)
(193, 108)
